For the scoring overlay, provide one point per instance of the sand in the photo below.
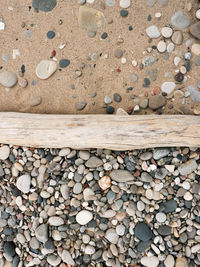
(100, 76)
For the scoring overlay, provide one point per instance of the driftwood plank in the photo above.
(99, 131)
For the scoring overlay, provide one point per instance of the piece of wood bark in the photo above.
(99, 131)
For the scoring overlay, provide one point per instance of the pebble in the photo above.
(123, 13)
(188, 167)
(93, 162)
(194, 94)
(169, 261)
(143, 232)
(118, 53)
(164, 230)
(117, 97)
(110, 110)
(122, 176)
(111, 236)
(90, 18)
(23, 83)
(23, 183)
(104, 182)
(44, 5)
(67, 258)
(45, 69)
(4, 152)
(195, 48)
(55, 221)
(63, 63)
(50, 34)
(153, 32)
(170, 47)
(166, 32)
(161, 217)
(41, 233)
(125, 3)
(9, 248)
(177, 37)
(198, 14)
(35, 101)
(181, 262)
(161, 46)
(168, 206)
(107, 100)
(120, 230)
(77, 188)
(140, 206)
(80, 105)
(84, 217)
(179, 20)
(195, 30)
(53, 260)
(150, 261)
(8, 79)
(156, 102)
(168, 87)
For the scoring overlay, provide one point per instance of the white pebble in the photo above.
(123, 60)
(170, 47)
(186, 185)
(2, 26)
(134, 63)
(161, 217)
(125, 3)
(166, 32)
(158, 15)
(198, 14)
(161, 46)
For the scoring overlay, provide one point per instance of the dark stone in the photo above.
(23, 68)
(164, 230)
(9, 248)
(142, 246)
(49, 244)
(44, 5)
(50, 34)
(4, 215)
(86, 259)
(130, 28)
(64, 63)
(104, 35)
(143, 232)
(130, 166)
(188, 204)
(117, 97)
(149, 18)
(8, 231)
(168, 206)
(16, 192)
(123, 13)
(15, 261)
(179, 77)
(110, 109)
(187, 65)
(146, 82)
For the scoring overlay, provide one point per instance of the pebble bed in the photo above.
(175, 40)
(65, 207)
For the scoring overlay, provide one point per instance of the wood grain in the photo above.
(99, 131)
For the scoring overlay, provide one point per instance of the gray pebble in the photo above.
(81, 105)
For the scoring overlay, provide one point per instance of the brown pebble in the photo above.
(35, 101)
(156, 102)
(23, 83)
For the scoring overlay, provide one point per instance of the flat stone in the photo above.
(143, 232)
(179, 20)
(23, 183)
(67, 258)
(142, 246)
(195, 30)
(53, 260)
(166, 32)
(90, 18)
(63, 63)
(195, 48)
(120, 230)
(177, 37)
(35, 101)
(148, 61)
(42, 233)
(8, 79)
(4, 152)
(145, 177)
(150, 261)
(9, 248)
(161, 217)
(44, 5)
(156, 102)
(84, 217)
(55, 221)
(168, 206)
(81, 105)
(94, 162)
(112, 236)
(159, 153)
(188, 167)
(45, 69)
(77, 188)
(153, 32)
(64, 191)
(168, 87)
(169, 261)
(161, 173)
(164, 230)
(194, 93)
(122, 176)
(181, 262)
(118, 53)
(125, 3)
(161, 46)
(34, 244)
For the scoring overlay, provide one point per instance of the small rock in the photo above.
(156, 102)
(168, 206)
(81, 105)
(153, 32)
(55, 221)
(117, 97)
(164, 230)
(42, 233)
(194, 94)
(180, 21)
(166, 32)
(188, 167)
(118, 53)
(111, 236)
(94, 162)
(35, 101)
(181, 262)
(122, 176)
(168, 87)
(63, 63)
(195, 48)
(177, 37)
(161, 217)
(4, 152)
(169, 261)
(50, 34)
(104, 182)
(143, 232)
(125, 3)
(23, 183)
(45, 69)
(53, 260)
(44, 5)
(161, 46)
(67, 258)
(23, 83)
(150, 261)
(121, 111)
(84, 217)
(110, 110)
(9, 248)
(159, 153)
(195, 30)
(123, 13)
(8, 79)
(90, 18)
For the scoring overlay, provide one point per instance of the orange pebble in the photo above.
(104, 182)
(156, 90)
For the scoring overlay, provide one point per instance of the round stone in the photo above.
(111, 236)
(166, 32)
(118, 53)
(53, 260)
(196, 49)
(168, 87)
(117, 97)
(8, 79)
(161, 217)
(107, 100)
(177, 37)
(169, 261)
(125, 3)
(123, 13)
(4, 152)
(110, 109)
(56, 221)
(104, 35)
(23, 183)
(77, 188)
(44, 5)
(156, 102)
(186, 185)
(198, 14)
(23, 83)
(84, 217)
(120, 230)
(35, 101)
(188, 196)
(170, 47)
(104, 182)
(140, 205)
(179, 20)
(179, 77)
(150, 261)
(164, 230)
(143, 232)
(9, 248)
(161, 46)
(50, 34)
(45, 69)
(153, 32)
(63, 63)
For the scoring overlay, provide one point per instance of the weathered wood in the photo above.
(99, 131)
